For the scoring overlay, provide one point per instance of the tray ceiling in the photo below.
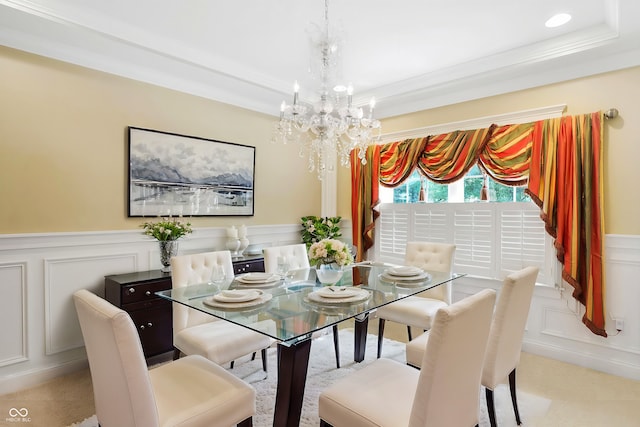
(409, 54)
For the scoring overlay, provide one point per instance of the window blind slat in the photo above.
(492, 239)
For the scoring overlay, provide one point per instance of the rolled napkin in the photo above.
(238, 295)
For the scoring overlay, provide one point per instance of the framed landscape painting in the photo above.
(180, 175)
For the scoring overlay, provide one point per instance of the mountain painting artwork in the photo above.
(180, 175)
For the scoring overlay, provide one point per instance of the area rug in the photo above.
(322, 372)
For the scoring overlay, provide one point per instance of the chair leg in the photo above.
(263, 353)
(380, 336)
(253, 356)
(514, 399)
(231, 364)
(490, 407)
(176, 354)
(336, 345)
(323, 423)
(409, 332)
(246, 423)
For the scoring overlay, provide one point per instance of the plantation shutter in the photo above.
(492, 239)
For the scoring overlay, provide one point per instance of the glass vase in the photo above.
(329, 274)
(168, 249)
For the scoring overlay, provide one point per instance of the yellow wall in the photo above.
(64, 148)
(619, 90)
(63, 139)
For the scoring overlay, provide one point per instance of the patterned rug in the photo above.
(322, 372)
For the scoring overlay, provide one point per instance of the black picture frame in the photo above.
(182, 175)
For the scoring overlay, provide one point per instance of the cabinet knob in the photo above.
(131, 290)
(149, 324)
(142, 327)
(147, 293)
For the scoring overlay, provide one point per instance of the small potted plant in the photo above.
(315, 228)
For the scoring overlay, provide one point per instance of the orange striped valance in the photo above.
(541, 153)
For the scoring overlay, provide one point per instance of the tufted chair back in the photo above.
(296, 256)
(190, 270)
(433, 257)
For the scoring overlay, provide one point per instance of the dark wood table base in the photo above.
(293, 362)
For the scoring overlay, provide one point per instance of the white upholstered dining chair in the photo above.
(419, 310)
(297, 258)
(200, 333)
(192, 391)
(505, 339)
(444, 393)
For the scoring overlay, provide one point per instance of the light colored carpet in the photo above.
(322, 372)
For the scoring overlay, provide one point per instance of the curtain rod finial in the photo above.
(611, 113)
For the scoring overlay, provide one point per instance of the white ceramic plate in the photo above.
(258, 277)
(237, 305)
(404, 271)
(419, 279)
(362, 295)
(338, 292)
(238, 295)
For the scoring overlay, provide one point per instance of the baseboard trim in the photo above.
(24, 380)
(610, 366)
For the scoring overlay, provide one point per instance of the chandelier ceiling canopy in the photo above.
(329, 124)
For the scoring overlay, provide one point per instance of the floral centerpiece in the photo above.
(329, 256)
(167, 231)
(315, 228)
(330, 251)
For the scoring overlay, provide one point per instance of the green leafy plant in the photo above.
(329, 251)
(315, 228)
(167, 229)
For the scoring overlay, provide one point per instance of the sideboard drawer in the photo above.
(142, 292)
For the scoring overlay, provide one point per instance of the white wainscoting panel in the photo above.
(13, 312)
(63, 277)
(41, 337)
(40, 272)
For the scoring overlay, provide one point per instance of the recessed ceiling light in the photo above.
(557, 20)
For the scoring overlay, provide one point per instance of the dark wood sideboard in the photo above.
(135, 294)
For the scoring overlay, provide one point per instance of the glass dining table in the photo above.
(292, 307)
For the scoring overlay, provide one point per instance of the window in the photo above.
(493, 239)
(465, 190)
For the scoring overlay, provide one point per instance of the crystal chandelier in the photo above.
(332, 125)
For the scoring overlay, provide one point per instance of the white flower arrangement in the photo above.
(329, 251)
(166, 229)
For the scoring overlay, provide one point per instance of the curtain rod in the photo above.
(611, 113)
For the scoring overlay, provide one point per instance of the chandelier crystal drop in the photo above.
(332, 125)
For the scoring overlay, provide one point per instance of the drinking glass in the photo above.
(218, 275)
(283, 266)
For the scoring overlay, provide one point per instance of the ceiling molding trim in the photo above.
(524, 116)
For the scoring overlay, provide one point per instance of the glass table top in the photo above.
(292, 307)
